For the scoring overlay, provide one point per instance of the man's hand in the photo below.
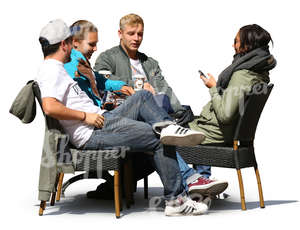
(127, 90)
(210, 82)
(149, 87)
(94, 119)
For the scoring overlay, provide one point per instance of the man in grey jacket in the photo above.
(124, 62)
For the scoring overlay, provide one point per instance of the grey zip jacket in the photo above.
(117, 62)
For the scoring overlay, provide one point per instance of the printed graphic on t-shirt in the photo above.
(76, 89)
(137, 68)
(135, 71)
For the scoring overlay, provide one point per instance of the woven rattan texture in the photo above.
(218, 156)
(97, 160)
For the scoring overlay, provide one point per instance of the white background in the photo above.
(183, 36)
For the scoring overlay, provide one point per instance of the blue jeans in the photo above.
(189, 174)
(163, 101)
(130, 125)
(204, 170)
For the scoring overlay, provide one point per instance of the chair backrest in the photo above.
(54, 125)
(37, 93)
(253, 106)
(50, 122)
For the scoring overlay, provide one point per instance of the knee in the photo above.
(144, 93)
(148, 135)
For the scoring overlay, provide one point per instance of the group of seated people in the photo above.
(145, 118)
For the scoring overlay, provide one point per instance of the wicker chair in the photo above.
(92, 162)
(240, 153)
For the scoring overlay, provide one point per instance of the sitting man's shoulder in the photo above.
(116, 50)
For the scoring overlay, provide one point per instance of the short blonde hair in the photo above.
(131, 19)
(81, 28)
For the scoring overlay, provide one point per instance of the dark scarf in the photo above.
(259, 61)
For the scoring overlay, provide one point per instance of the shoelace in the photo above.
(206, 179)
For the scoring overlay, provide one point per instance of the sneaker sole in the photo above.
(190, 140)
(210, 191)
(184, 214)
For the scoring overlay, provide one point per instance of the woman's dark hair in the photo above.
(51, 49)
(253, 36)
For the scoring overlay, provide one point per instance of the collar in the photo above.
(52, 60)
(139, 55)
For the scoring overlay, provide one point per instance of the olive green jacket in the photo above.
(219, 116)
(117, 62)
(56, 157)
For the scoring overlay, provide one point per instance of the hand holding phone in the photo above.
(202, 74)
(209, 82)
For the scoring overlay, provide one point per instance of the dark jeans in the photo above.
(130, 125)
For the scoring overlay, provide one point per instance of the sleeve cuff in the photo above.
(121, 85)
(213, 90)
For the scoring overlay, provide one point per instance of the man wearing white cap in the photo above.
(130, 125)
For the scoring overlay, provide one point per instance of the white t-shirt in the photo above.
(137, 68)
(55, 82)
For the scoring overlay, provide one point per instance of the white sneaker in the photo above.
(158, 126)
(179, 136)
(185, 206)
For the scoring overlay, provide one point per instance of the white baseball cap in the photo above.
(55, 31)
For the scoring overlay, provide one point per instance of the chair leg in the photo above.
(53, 194)
(243, 203)
(260, 192)
(146, 187)
(52, 201)
(42, 207)
(59, 186)
(117, 192)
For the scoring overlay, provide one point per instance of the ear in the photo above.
(63, 45)
(120, 33)
(75, 43)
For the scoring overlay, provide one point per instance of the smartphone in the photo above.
(201, 73)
